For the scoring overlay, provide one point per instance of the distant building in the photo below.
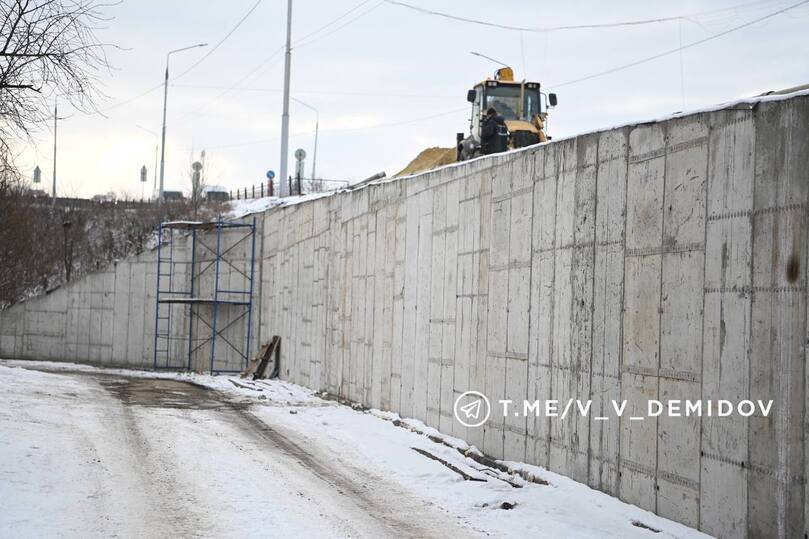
(215, 193)
(173, 196)
(109, 197)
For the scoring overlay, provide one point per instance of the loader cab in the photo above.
(514, 101)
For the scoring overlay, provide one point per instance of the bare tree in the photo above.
(48, 49)
(9, 174)
(27, 247)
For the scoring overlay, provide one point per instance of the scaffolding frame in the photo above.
(192, 297)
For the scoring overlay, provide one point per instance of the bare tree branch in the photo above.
(49, 49)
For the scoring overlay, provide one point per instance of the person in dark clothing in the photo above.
(493, 133)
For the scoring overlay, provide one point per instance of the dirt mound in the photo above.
(429, 159)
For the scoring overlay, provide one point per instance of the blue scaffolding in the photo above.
(204, 304)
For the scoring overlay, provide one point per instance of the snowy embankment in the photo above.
(242, 208)
(495, 500)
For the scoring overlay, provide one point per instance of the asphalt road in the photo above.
(84, 454)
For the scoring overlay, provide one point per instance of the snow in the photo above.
(242, 208)
(234, 484)
(182, 223)
(554, 510)
(75, 461)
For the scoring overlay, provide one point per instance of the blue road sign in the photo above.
(270, 174)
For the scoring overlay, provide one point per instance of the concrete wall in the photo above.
(107, 318)
(658, 261)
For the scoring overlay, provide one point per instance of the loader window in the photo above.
(505, 100)
(531, 104)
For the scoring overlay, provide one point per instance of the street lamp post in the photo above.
(165, 99)
(317, 127)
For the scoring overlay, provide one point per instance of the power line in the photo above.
(101, 111)
(347, 13)
(156, 87)
(364, 13)
(319, 92)
(221, 41)
(619, 24)
(396, 124)
(341, 130)
(199, 110)
(678, 49)
(301, 41)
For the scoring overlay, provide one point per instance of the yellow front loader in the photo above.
(523, 106)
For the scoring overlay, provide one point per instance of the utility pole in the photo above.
(55, 118)
(285, 116)
(165, 100)
(314, 154)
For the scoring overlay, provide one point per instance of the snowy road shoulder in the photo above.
(375, 445)
(503, 504)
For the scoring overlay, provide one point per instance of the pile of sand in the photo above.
(429, 159)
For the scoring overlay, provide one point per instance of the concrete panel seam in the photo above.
(678, 480)
(665, 249)
(686, 376)
(638, 467)
(445, 230)
(578, 245)
(792, 479)
(578, 369)
(592, 308)
(668, 150)
(441, 361)
(513, 194)
(748, 290)
(507, 355)
(687, 145)
(785, 208)
(510, 265)
(474, 252)
(610, 159)
(648, 156)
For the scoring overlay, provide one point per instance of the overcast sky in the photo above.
(389, 81)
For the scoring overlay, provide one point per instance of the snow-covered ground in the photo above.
(242, 208)
(90, 452)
